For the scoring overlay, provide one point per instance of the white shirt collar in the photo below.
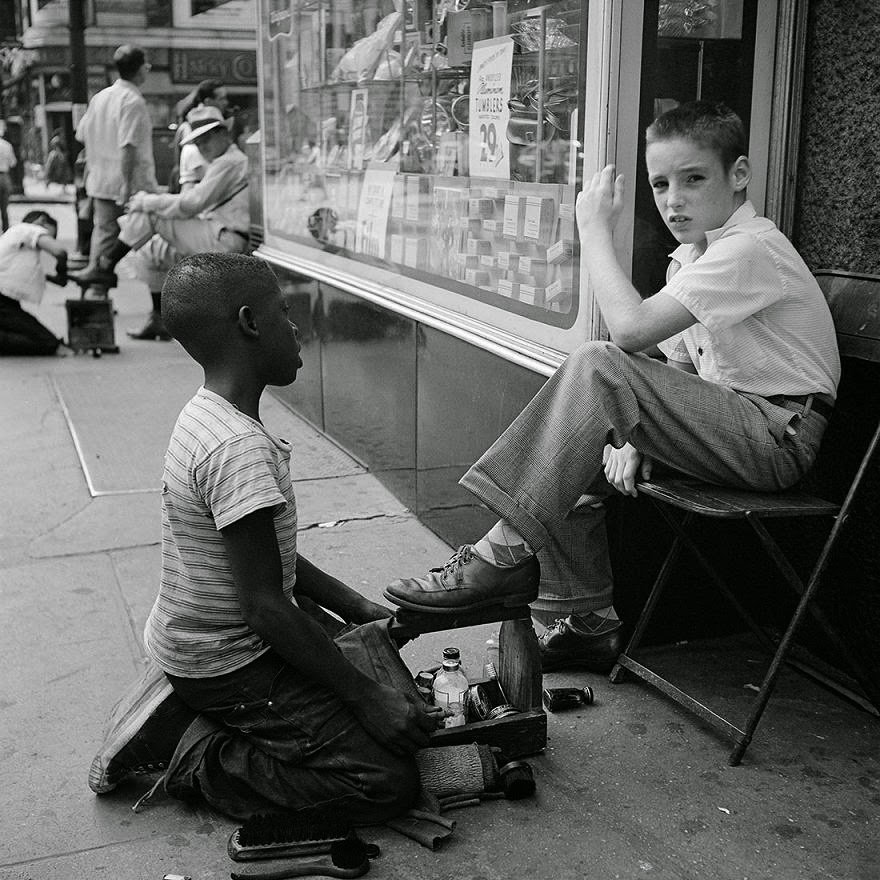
(746, 211)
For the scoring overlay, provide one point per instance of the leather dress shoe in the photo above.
(467, 582)
(94, 277)
(565, 645)
(153, 329)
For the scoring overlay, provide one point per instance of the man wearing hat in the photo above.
(213, 216)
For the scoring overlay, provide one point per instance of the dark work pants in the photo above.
(21, 333)
(266, 741)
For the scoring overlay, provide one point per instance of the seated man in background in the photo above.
(211, 217)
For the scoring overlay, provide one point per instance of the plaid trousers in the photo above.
(551, 454)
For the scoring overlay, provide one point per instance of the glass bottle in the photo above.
(450, 689)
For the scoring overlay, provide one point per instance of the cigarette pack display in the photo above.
(508, 288)
(560, 251)
(395, 253)
(493, 226)
(514, 216)
(478, 246)
(418, 201)
(398, 199)
(532, 265)
(470, 225)
(560, 288)
(539, 220)
(508, 260)
(496, 191)
(567, 224)
(529, 293)
(476, 277)
(487, 261)
(481, 208)
(447, 236)
(415, 252)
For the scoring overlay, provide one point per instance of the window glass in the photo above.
(437, 139)
(692, 50)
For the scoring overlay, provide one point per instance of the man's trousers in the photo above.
(551, 455)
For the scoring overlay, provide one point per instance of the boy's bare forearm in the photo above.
(334, 595)
(303, 644)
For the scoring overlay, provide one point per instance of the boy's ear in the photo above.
(742, 173)
(247, 322)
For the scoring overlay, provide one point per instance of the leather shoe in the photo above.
(153, 329)
(467, 582)
(565, 645)
(144, 742)
(94, 277)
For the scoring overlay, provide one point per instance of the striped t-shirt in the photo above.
(221, 465)
(763, 325)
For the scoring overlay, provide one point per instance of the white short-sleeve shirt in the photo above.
(117, 116)
(22, 275)
(220, 466)
(763, 325)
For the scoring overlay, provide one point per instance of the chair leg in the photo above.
(618, 672)
(793, 579)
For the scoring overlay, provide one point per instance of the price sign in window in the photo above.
(491, 70)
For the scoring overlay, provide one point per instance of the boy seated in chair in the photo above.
(742, 400)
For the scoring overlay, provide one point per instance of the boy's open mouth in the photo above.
(677, 219)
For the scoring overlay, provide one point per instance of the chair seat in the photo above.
(704, 499)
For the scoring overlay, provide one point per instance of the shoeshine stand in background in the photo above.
(90, 322)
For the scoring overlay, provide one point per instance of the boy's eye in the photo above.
(659, 184)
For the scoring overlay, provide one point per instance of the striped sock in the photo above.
(503, 546)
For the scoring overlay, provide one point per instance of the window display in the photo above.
(435, 138)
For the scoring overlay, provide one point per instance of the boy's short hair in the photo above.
(708, 123)
(202, 295)
(40, 217)
(129, 60)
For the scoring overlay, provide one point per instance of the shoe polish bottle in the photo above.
(450, 689)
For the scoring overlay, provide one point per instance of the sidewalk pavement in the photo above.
(627, 788)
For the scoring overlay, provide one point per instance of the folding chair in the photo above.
(853, 300)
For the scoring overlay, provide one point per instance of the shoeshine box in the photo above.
(518, 675)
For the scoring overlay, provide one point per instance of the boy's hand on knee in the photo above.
(401, 722)
(623, 466)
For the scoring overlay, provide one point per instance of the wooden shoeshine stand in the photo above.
(524, 733)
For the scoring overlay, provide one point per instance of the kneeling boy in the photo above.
(271, 715)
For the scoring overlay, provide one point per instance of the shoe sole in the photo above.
(507, 602)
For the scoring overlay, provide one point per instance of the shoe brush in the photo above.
(348, 858)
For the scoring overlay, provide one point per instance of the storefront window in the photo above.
(435, 138)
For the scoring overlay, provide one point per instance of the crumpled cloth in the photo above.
(423, 823)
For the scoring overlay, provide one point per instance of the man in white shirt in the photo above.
(213, 216)
(117, 133)
(7, 162)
